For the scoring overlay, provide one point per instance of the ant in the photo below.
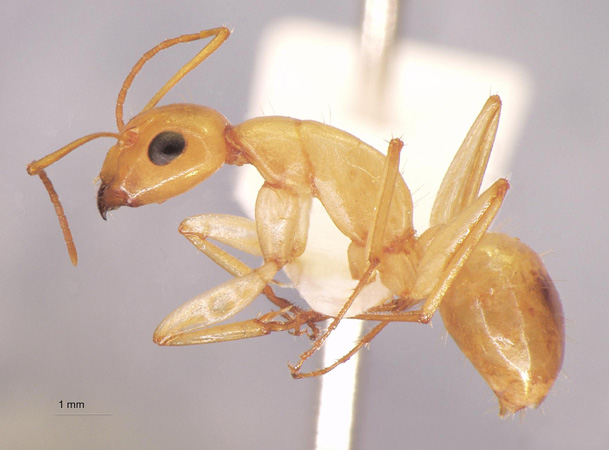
(495, 296)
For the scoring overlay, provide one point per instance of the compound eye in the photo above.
(166, 147)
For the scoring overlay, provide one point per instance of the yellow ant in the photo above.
(494, 294)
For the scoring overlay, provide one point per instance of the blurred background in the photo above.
(84, 334)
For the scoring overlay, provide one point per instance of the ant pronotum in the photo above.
(494, 294)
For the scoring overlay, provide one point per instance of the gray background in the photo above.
(85, 334)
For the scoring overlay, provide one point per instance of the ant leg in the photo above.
(459, 216)
(282, 221)
(363, 341)
(237, 232)
(450, 248)
(373, 249)
(461, 184)
(448, 251)
(246, 329)
(188, 324)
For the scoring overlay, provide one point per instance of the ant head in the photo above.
(161, 153)
(165, 151)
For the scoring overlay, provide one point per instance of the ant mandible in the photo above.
(494, 294)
